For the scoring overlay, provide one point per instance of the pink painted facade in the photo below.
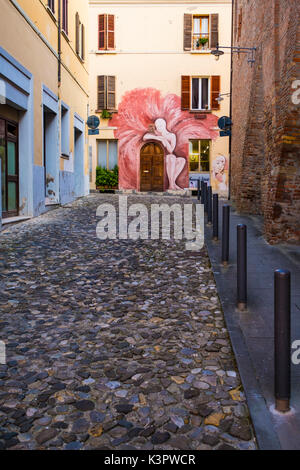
(145, 115)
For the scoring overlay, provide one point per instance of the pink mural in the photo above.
(145, 115)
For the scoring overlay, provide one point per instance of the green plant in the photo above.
(106, 114)
(203, 41)
(108, 178)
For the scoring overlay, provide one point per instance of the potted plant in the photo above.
(107, 179)
(203, 42)
(106, 114)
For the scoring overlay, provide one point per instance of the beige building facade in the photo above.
(43, 105)
(155, 85)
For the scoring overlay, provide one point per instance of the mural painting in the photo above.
(220, 174)
(144, 115)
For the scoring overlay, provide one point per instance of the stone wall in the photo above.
(265, 161)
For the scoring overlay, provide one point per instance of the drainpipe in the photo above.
(230, 109)
(59, 43)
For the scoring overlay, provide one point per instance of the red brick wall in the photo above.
(265, 160)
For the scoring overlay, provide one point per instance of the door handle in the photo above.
(146, 171)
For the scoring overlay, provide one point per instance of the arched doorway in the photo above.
(152, 167)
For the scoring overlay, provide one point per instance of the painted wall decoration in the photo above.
(220, 173)
(145, 115)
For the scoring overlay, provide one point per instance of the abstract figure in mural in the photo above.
(174, 165)
(144, 114)
(219, 167)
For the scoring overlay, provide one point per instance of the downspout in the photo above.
(230, 101)
(59, 44)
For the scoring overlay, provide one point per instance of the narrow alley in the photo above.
(114, 344)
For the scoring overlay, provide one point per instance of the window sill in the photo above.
(112, 111)
(51, 14)
(111, 51)
(200, 111)
(80, 58)
(200, 51)
(65, 35)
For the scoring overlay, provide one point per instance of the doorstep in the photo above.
(15, 220)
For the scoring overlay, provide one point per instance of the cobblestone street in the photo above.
(114, 344)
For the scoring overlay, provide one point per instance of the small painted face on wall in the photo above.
(219, 164)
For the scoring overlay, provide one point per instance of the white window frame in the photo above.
(107, 150)
(200, 93)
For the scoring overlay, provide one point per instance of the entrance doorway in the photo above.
(9, 168)
(152, 167)
(78, 162)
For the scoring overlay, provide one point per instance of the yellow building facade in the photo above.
(155, 86)
(43, 105)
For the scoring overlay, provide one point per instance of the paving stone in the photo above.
(160, 437)
(46, 435)
(113, 344)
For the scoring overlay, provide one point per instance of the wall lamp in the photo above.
(239, 50)
(220, 96)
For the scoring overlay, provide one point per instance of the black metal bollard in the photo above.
(282, 311)
(202, 192)
(206, 198)
(198, 190)
(209, 205)
(242, 266)
(225, 234)
(215, 216)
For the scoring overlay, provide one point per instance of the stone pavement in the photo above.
(113, 344)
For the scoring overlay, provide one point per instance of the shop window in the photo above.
(199, 155)
(9, 168)
(107, 154)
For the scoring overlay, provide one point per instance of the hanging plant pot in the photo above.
(106, 114)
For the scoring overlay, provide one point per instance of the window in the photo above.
(65, 16)
(199, 155)
(65, 131)
(107, 154)
(106, 92)
(80, 37)
(200, 93)
(9, 168)
(51, 5)
(200, 32)
(106, 32)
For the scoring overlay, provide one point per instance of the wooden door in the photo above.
(152, 168)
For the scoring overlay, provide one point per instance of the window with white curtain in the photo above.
(200, 32)
(107, 154)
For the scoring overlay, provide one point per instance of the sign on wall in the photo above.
(194, 177)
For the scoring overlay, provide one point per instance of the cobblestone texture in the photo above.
(113, 344)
